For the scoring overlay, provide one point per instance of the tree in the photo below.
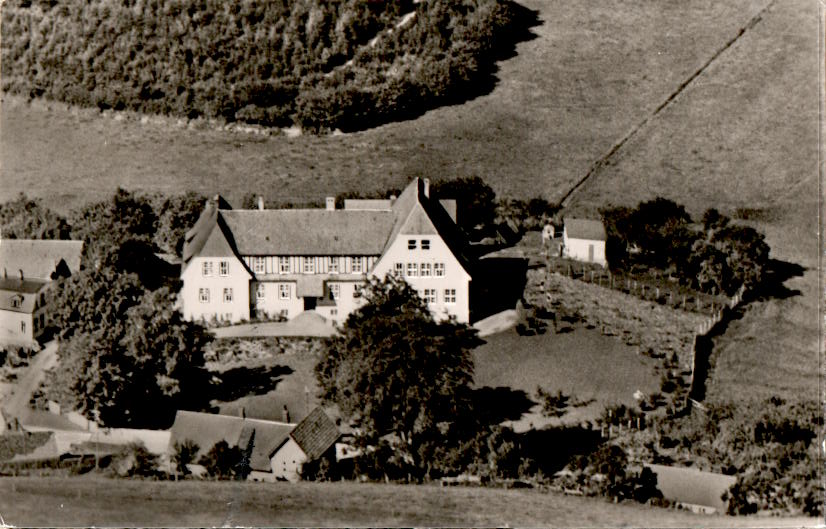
(25, 218)
(135, 460)
(393, 370)
(183, 454)
(475, 201)
(177, 215)
(226, 462)
(134, 365)
(105, 227)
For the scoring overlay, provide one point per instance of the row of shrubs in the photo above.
(321, 65)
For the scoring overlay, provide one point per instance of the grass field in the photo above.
(587, 78)
(88, 502)
(583, 364)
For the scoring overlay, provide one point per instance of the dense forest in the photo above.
(320, 64)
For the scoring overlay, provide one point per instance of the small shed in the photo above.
(693, 489)
(584, 240)
(310, 440)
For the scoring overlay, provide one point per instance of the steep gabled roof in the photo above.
(315, 434)
(267, 436)
(589, 229)
(38, 258)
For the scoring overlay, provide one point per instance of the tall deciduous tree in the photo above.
(394, 370)
(25, 218)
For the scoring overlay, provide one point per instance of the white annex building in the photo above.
(268, 262)
(584, 240)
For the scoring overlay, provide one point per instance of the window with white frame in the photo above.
(450, 295)
(358, 265)
(412, 269)
(332, 265)
(259, 291)
(258, 265)
(206, 268)
(309, 265)
(283, 265)
(228, 295)
(223, 268)
(335, 290)
(203, 295)
(425, 270)
(439, 269)
(425, 244)
(411, 244)
(429, 295)
(284, 291)
(398, 269)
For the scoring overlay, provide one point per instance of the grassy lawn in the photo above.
(582, 363)
(88, 502)
(270, 382)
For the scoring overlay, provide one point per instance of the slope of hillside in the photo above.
(744, 134)
(87, 502)
(565, 97)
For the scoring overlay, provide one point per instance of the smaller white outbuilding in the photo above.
(584, 240)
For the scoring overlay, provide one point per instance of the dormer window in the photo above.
(16, 301)
(411, 244)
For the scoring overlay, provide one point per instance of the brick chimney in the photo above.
(330, 203)
(260, 203)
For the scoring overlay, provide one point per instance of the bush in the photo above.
(226, 462)
(135, 460)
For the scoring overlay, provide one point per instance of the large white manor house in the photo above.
(238, 264)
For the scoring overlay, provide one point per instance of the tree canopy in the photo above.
(394, 370)
(25, 218)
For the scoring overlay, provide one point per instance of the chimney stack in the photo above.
(392, 199)
(21, 274)
(286, 414)
(260, 203)
(331, 203)
(427, 187)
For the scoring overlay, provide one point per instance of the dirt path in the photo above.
(27, 384)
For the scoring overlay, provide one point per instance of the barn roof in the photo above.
(588, 229)
(691, 486)
(308, 231)
(315, 434)
(38, 258)
(206, 429)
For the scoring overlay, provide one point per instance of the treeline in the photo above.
(714, 256)
(347, 64)
(125, 350)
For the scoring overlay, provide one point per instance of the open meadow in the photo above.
(91, 501)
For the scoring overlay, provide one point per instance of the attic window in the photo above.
(15, 302)
(425, 244)
(411, 244)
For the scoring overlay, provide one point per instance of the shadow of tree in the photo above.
(553, 448)
(242, 382)
(776, 274)
(495, 405)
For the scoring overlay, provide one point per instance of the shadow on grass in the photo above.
(495, 405)
(553, 448)
(242, 382)
(777, 273)
(498, 284)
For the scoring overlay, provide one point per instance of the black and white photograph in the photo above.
(412, 263)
